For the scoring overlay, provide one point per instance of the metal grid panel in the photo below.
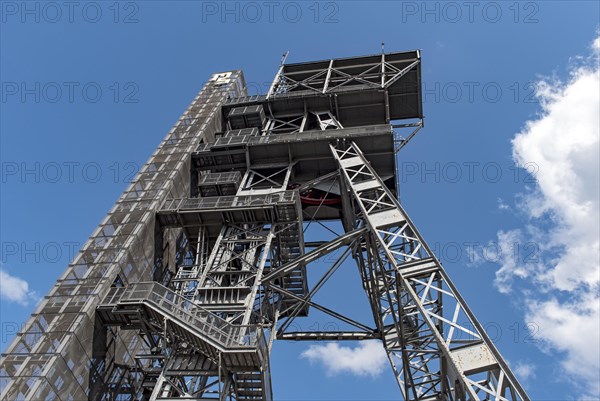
(122, 245)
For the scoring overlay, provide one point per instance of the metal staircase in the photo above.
(241, 349)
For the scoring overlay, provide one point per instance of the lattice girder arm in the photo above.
(444, 351)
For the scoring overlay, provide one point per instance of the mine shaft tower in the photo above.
(203, 262)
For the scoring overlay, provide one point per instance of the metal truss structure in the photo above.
(202, 263)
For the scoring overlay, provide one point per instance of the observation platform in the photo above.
(360, 90)
(212, 212)
(308, 150)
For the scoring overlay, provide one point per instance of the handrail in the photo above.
(228, 334)
(220, 202)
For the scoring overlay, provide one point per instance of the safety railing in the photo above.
(227, 202)
(245, 99)
(179, 308)
(204, 147)
(242, 132)
(231, 141)
(220, 178)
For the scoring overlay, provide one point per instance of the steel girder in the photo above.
(436, 347)
(329, 78)
(197, 319)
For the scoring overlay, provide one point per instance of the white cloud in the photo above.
(572, 328)
(520, 254)
(502, 205)
(15, 289)
(563, 222)
(367, 359)
(524, 371)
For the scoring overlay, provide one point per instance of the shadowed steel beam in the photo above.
(311, 256)
(329, 336)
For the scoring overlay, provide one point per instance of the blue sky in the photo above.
(88, 92)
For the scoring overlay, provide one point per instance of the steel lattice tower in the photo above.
(202, 263)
